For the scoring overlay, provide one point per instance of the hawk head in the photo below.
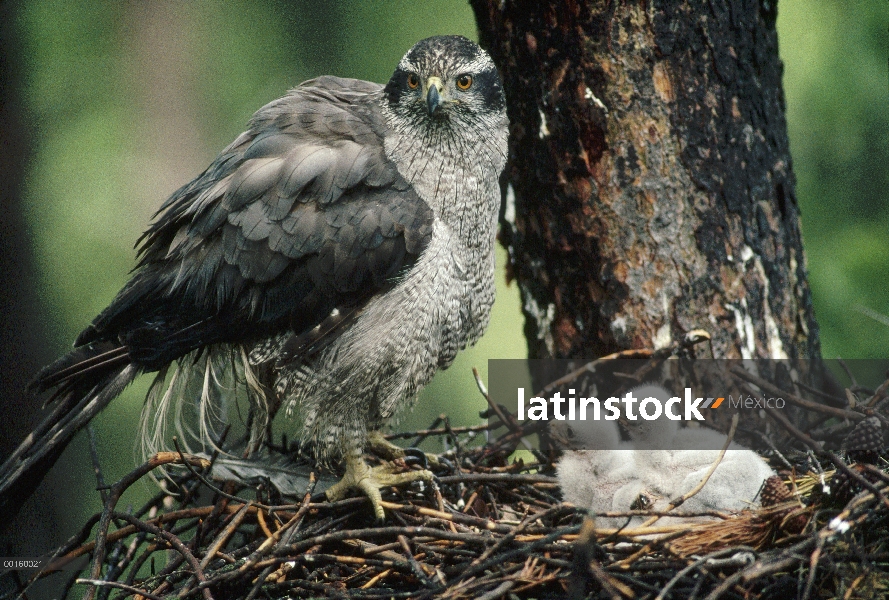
(444, 83)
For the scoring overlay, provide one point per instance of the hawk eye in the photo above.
(464, 82)
(413, 81)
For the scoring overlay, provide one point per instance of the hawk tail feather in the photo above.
(84, 381)
(81, 368)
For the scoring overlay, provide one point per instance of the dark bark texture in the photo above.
(649, 190)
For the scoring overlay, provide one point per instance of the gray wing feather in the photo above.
(301, 214)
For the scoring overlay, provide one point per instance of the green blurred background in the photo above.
(123, 102)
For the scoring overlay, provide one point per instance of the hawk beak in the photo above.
(433, 94)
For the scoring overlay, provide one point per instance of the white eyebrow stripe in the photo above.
(478, 65)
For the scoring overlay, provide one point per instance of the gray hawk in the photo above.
(331, 259)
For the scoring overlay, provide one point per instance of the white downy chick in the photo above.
(673, 460)
(661, 462)
(600, 481)
(597, 470)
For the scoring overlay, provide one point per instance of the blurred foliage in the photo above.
(837, 85)
(128, 101)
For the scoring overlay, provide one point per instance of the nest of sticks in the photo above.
(490, 526)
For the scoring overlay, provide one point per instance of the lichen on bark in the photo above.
(650, 179)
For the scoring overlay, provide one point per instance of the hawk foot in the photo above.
(359, 476)
(390, 451)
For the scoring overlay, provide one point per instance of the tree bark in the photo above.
(649, 190)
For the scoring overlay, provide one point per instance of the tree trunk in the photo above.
(649, 189)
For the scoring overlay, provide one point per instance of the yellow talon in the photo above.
(380, 445)
(359, 476)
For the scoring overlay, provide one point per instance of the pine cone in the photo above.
(774, 491)
(865, 442)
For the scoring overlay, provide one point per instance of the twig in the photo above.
(173, 541)
(260, 581)
(97, 468)
(704, 560)
(446, 516)
(498, 477)
(774, 449)
(794, 399)
(583, 560)
(416, 567)
(499, 591)
(848, 372)
(511, 423)
(879, 394)
(159, 459)
(690, 339)
(226, 533)
(813, 566)
(285, 531)
(590, 367)
(420, 436)
(119, 586)
(424, 433)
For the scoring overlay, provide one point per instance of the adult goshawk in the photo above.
(332, 258)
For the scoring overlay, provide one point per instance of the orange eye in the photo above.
(464, 82)
(413, 81)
